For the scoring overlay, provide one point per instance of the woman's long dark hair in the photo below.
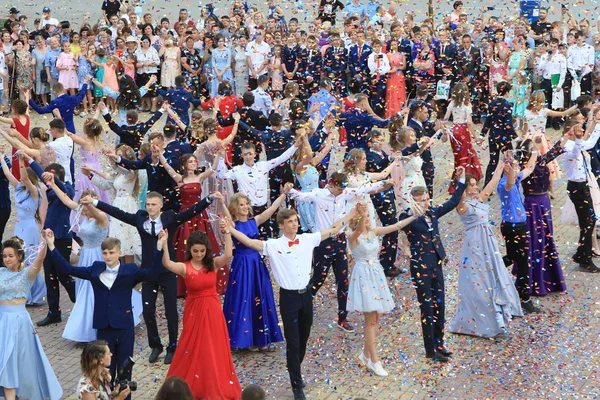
(17, 244)
(129, 93)
(195, 238)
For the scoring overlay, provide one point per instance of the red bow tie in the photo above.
(293, 242)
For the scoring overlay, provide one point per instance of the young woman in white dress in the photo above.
(368, 291)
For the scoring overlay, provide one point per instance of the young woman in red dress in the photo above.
(190, 193)
(203, 356)
(21, 123)
(395, 96)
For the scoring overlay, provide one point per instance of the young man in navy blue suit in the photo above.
(113, 283)
(427, 257)
(180, 100)
(358, 56)
(149, 223)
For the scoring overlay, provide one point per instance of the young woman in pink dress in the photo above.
(67, 69)
(396, 94)
(110, 79)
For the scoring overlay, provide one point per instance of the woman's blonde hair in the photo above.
(234, 203)
(351, 164)
(537, 98)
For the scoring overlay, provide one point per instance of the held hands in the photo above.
(236, 117)
(460, 172)
(56, 113)
(163, 236)
(102, 106)
(48, 178)
(48, 236)
(287, 187)
(87, 200)
(224, 225)
(361, 209)
(217, 196)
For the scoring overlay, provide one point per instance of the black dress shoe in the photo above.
(299, 394)
(437, 356)
(169, 356)
(529, 307)
(302, 384)
(50, 319)
(589, 267)
(154, 355)
(577, 258)
(444, 351)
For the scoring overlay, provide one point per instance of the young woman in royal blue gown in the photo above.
(249, 305)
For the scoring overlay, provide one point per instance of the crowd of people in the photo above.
(244, 177)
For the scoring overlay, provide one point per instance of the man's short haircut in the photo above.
(248, 146)
(110, 243)
(418, 191)
(422, 90)
(253, 392)
(57, 124)
(262, 79)
(582, 100)
(154, 195)
(285, 214)
(58, 88)
(132, 116)
(275, 119)
(57, 169)
(338, 179)
(156, 135)
(248, 99)
(374, 134)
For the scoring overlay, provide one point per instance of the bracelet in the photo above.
(226, 233)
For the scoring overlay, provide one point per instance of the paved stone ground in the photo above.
(550, 355)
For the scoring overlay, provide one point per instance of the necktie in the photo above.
(153, 230)
(293, 242)
(378, 74)
(359, 52)
(443, 53)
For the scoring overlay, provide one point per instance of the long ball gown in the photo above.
(545, 274)
(462, 146)
(249, 305)
(189, 195)
(79, 327)
(23, 129)
(309, 180)
(395, 96)
(23, 363)
(487, 297)
(27, 229)
(203, 357)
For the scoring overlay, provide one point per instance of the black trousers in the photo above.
(516, 237)
(332, 253)
(52, 276)
(496, 147)
(428, 280)
(377, 96)
(265, 230)
(586, 84)
(149, 294)
(385, 205)
(428, 170)
(252, 83)
(120, 342)
(579, 193)
(296, 311)
(547, 88)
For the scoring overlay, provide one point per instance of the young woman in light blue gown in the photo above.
(93, 230)
(304, 167)
(221, 66)
(28, 198)
(25, 371)
(487, 297)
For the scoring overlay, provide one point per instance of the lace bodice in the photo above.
(91, 234)
(14, 285)
(124, 184)
(367, 249)
(460, 114)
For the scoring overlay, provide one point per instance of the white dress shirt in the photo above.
(254, 181)
(262, 102)
(582, 58)
(109, 275)
(258, 54)
(151, 55)
(330, 208)
(552, 64)
(577, 157)
(291, 264)
(63, 147)
(384, 64)
(158, 226)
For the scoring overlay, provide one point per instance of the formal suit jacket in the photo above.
(174, 150)
(421, 131)
(424, 239)
(112, 307)
(335, 61)
(180, 100)
(159, 179)
(377, 163)
(445, 60)
(358, 123)
(132, 135)
(311, 65)
(170, 221)
(468, 63)
(499, 122)
(358, 63)
(66, 104)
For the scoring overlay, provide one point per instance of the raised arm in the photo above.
(63, 265)
(170, 170)
(528, 170)
(338, 225)
(202, 205)
(36, 267)
(265, 215)
(286, 155)
(384, 230)
(223, 259)
(6, 170)
(489, 189)
(163, 244)
(115, 212)
(48, 178)
(255, 244)
(33, 189)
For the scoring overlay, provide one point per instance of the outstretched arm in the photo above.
(227, 255)
(6, 170)
(197, 209)
(338, 225)
(36, 267)
(61, 264)
(163, 244)
(115, 212)
(255, 244)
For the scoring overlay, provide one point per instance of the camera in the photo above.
(380, 56)
(122, 376)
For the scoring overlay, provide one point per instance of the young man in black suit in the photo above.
(149, 223)
(427, 258)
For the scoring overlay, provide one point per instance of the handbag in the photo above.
(575, 89)
(442, 91)
(558, 100)
(44, 76)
